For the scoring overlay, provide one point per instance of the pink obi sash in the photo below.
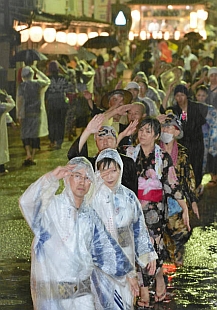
(155, 195)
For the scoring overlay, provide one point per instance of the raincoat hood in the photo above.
(81, 163)
(113, 154)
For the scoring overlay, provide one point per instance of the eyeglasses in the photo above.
(79, 178)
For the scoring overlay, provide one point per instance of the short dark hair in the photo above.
(153, 122)
(203, 88)
(106, 162)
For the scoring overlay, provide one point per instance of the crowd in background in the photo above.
(162, 122)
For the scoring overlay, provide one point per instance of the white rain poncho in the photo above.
(68, 243)
(121, 212)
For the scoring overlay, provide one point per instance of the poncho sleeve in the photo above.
(36, 199)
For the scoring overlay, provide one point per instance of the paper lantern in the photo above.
(36, 33)
(49, 35)
(92, 34)
(82, 38)
(166, 35)
(143, 35)
(193, 20)
(177, 35)
(61, 37)
(202, 14)
(104, 33)
(71, 38)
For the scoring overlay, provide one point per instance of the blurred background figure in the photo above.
(57, 105)
(31, 111)
(6, 104)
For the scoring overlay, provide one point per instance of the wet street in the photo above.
(193, 286)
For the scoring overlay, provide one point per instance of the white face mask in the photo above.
(166, 137)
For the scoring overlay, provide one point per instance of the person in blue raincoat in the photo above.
(121, 212)
(70, 239)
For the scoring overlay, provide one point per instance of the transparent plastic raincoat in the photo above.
(121, 212)
(68, 243)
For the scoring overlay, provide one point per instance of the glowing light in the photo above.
(71, 38)
(135, 15)
(193, 20)
(143, 35)
(131, 35)
(170, 7)
(166, 35)
(92, 34)
(24, 33)
(49, 35)
(82, 38)
(177, 35)
(36, 34)
(154, 34)
(202, 14)
(61, 37)
(203, 34)
(120, 20)
(104, 33)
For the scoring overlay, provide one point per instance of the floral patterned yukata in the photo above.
(155, 210)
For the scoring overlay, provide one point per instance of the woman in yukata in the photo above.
(121, 212)
(156, 180)
(70, 240)
(176, 233)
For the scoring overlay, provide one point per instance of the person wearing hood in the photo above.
(69, 241)
(121, 212)
(176, 233)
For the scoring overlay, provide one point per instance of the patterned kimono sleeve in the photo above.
(144, 250)
(170, 181)
(36, 199)
(186, 176)
(106, 252)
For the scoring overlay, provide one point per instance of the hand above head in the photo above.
(62, 171)
(95, 123)
(122, 110)
(131, 128)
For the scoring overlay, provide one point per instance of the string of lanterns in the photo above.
(49, 35)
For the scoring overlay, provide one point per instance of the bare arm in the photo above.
(185, 215)
(92, 127)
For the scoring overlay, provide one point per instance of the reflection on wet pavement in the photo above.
(193, 286)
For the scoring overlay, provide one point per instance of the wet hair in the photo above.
(154, 124)
(106, 162)
(203, 88)
(100, 60)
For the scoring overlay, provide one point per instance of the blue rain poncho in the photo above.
(68, 243)
(121, 212)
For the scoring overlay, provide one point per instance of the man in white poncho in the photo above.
(70, 239)
(121, 212)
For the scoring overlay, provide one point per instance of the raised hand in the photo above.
(62, 171)
(95, 124)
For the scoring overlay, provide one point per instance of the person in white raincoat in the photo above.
(6, 104)
(121, 212)
(70, 239)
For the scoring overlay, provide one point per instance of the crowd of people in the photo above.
(127, 210)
